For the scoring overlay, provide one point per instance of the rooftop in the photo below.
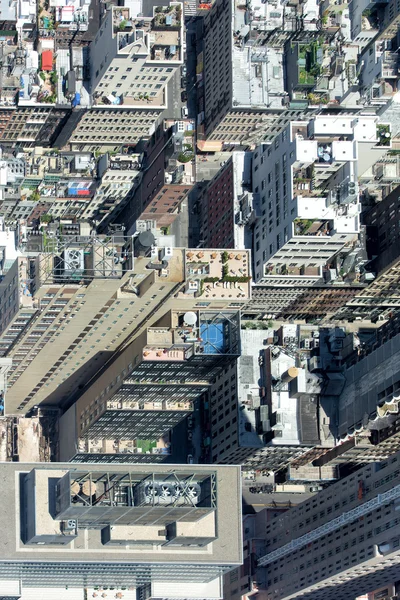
(87, 486)
(258, 78)
(160, 35)
(218, 274)
(193, 333)
(117, 446)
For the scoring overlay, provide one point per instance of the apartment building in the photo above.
(241, 102)
(216, 209)
(307, 182)
(112, 526)
(71, 308)
(167, 180)
(173, 366)
(341, 543)
(108, 129)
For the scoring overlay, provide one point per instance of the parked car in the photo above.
(183, 96)
(184, 112)
(183, 82)
(184, 71)
(190, 459)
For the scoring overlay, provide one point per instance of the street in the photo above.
(174, 102)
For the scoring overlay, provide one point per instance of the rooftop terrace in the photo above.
(218, 274)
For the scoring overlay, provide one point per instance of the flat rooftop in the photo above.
(88, 547)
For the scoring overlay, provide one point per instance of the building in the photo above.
(174, 364)
(95, 526)
(28, 126)
(308, 302)
(307, 182)
(168, 177)
(379, 300)
(72, 308)
(368, 405)
(225, 202)
(382, 230)
(8, 249)
(168, 185)
(102, 129)
(216, 209)
(248, 580)
(133, 57)
(240, 102)
(119, 175)
(265, 411)
(341, 543)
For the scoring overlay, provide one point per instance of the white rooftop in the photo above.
(285, 407)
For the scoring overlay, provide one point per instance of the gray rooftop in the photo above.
(365, 381)
(87, 546)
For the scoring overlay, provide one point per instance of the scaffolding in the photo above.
(79, 259)
(344, 519)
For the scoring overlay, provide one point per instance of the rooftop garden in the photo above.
(168, 16)
(311, 227)
(383, 134)
(309, 66)
(146, 445)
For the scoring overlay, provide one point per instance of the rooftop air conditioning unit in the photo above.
(73, 260)
(70, 525)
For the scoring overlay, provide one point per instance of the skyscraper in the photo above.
(341, 543)
(170, 366)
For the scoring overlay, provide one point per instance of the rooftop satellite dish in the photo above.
(190, 318)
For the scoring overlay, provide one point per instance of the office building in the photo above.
(106, 129)
(133, 57)
(174, 364)
(240, 101)
(70, 308)
(382, 230)
(341, 543)
(8, 248)
(308, 302)
(265, 411)
(380, 299)
(366, 394)
(248, 580)
(307, 182)
(28, 126)
(96, 526)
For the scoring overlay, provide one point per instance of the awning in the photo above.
(211, 146)
(47, 60)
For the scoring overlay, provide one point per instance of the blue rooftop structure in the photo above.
(213, 337)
